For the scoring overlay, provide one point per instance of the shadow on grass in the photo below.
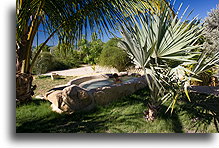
(172, 119)
(91, 122)
(94, 121)
(119, 116)
(63, 123)
(203, 110)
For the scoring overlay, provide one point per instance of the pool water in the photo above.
(107, 82)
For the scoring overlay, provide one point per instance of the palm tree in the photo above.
(65, 18)
(153, 42)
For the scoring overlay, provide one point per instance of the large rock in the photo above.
(77, 99)
(72, 98)
(55, 97)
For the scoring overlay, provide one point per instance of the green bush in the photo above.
(67, 63)
(66, 56)
(114, 57)
(47, 62)
(44, 63)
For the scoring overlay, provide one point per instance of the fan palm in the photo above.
(155, 40)
(68, 19)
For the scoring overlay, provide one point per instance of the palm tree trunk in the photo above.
(24, 88)
(151, 113)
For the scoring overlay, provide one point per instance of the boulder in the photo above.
(55, 97)
(72, 98)
(77, 99)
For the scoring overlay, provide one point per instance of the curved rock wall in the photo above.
(74, 98)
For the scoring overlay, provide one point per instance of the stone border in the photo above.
(71, 97)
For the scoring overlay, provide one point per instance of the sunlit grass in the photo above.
(45, 83)
(122, 116)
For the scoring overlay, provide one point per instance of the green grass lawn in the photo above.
(45, 83)
(122, 116)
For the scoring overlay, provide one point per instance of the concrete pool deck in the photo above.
(209, 90)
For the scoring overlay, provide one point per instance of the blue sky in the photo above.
(201, 8)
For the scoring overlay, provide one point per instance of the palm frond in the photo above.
(153, 40)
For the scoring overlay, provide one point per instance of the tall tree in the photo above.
(65, 18)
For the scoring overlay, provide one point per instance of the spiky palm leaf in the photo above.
(155, 39)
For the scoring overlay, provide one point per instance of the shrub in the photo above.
(66, 57)
(47, 62)
(114, 57)
(67, 63)
(44, 63)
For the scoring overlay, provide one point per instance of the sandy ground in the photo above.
(84, 70)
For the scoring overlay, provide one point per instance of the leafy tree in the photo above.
(114, 57)
(62, 56)
(63, 51)
(90, 51)
(66, 55)
(113, 42)
(95, 48)
(94, 36)
(46, 48)
(83, 48)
